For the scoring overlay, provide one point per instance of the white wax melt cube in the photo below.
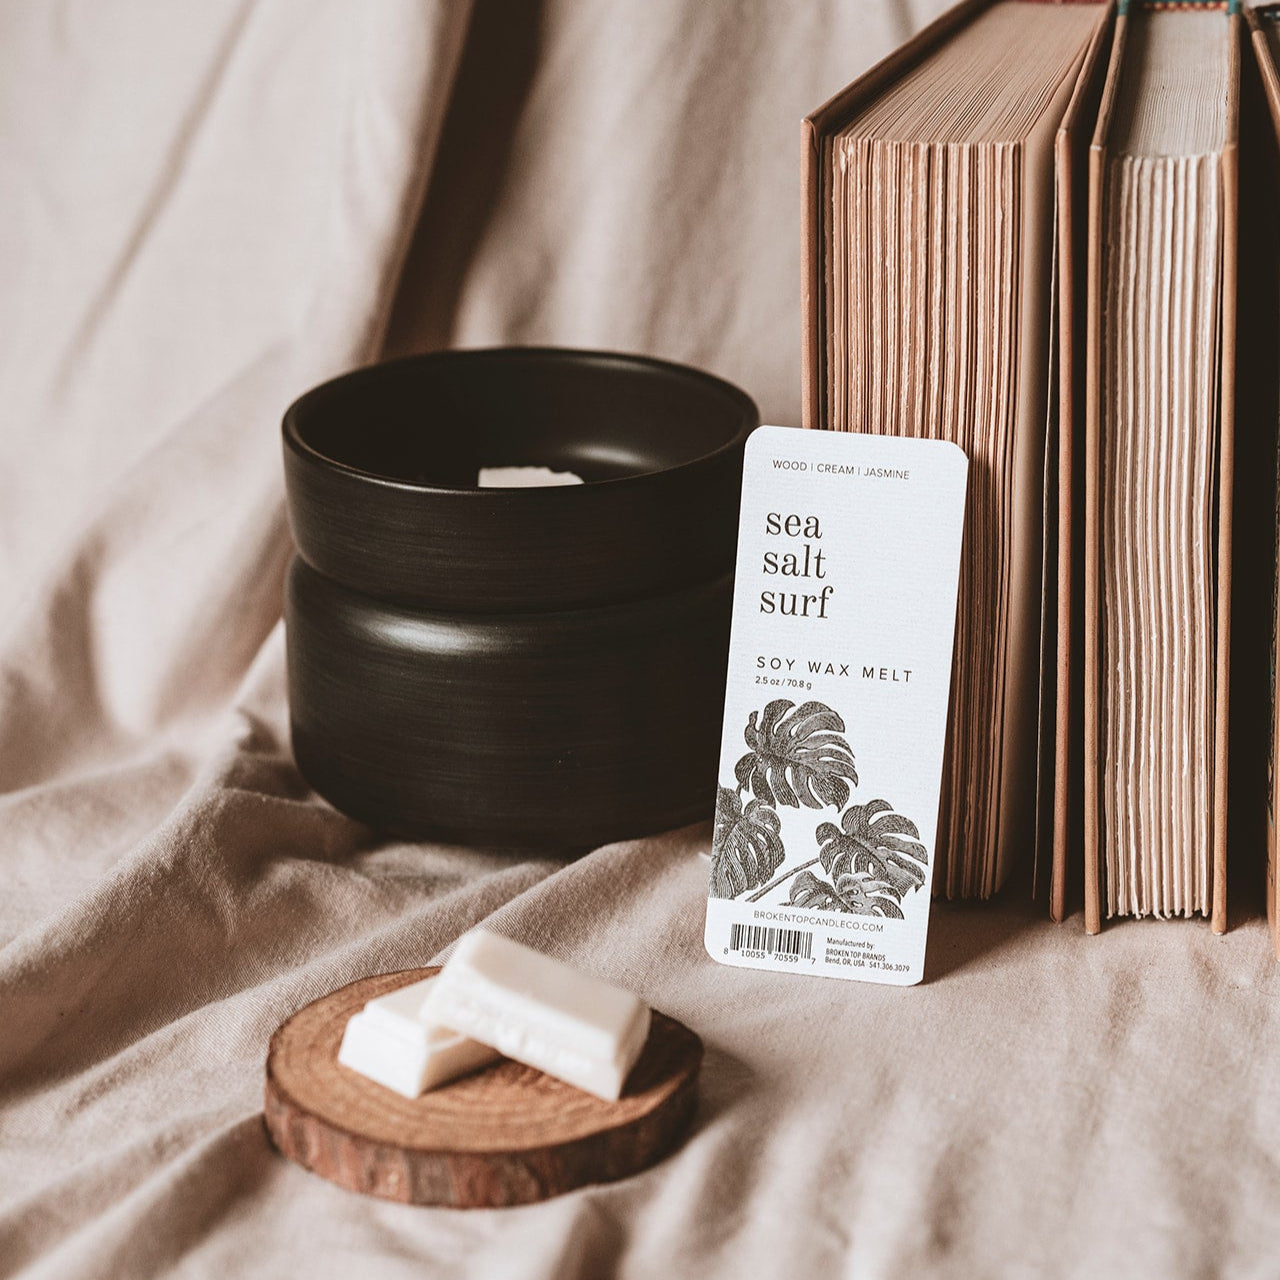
(541, 1012)
(524, 478)
(390, 1042)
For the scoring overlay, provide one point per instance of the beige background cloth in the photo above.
(204, 209)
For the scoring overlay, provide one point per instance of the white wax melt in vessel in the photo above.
(390, 1042)
(541, 1012)
(524, 478)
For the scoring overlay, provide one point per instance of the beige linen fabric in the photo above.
(207, 208)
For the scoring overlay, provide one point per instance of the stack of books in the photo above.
(1027, 232)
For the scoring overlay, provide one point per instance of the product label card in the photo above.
(844, 615)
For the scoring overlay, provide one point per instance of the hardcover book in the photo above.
(929, 249)
(1159, 465)
(1255, 622)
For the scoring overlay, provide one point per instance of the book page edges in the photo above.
(1092, 636)
(830, 116)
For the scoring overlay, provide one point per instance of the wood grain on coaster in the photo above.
(506, 1135)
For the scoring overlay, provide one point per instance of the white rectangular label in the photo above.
(844, 616)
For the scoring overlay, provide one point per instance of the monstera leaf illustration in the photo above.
(798, 756)
(746, 849)
(864, 895)
(808, 890)
(873, 840)
(858, 893)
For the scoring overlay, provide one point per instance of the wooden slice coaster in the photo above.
(506, 1135)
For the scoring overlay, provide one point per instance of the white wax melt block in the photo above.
(390, 1042)
(524, 477)
(540, 1012)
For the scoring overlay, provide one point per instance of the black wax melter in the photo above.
(533, 666)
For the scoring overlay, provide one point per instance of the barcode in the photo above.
(778, 942)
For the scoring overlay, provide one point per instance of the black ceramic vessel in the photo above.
(522, 667)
